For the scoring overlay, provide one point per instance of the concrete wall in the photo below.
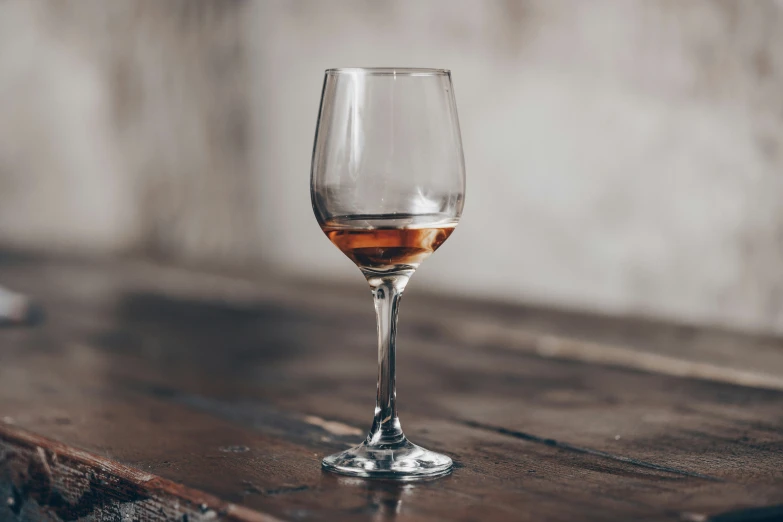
(622, 156)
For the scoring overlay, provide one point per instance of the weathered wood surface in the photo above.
(155, 394)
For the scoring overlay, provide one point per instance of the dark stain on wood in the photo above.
(760, 514)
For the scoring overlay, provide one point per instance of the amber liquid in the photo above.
(388, 243)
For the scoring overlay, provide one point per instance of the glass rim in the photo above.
(390, 71)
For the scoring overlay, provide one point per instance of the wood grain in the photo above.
(50, 479)
(163, 389)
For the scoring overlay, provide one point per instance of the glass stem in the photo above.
(387, 290)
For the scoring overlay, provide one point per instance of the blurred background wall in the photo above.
(125, 127)
(622, 156)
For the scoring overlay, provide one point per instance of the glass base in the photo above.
(404, 461)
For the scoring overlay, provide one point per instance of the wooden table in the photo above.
(153, 393)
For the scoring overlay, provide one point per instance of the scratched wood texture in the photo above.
(154, 393)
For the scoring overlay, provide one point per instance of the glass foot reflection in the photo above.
(402, 461)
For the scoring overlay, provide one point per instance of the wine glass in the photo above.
(387, 188)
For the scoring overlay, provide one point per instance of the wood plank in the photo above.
(649, 345)
(238, 391)
(47, 479)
